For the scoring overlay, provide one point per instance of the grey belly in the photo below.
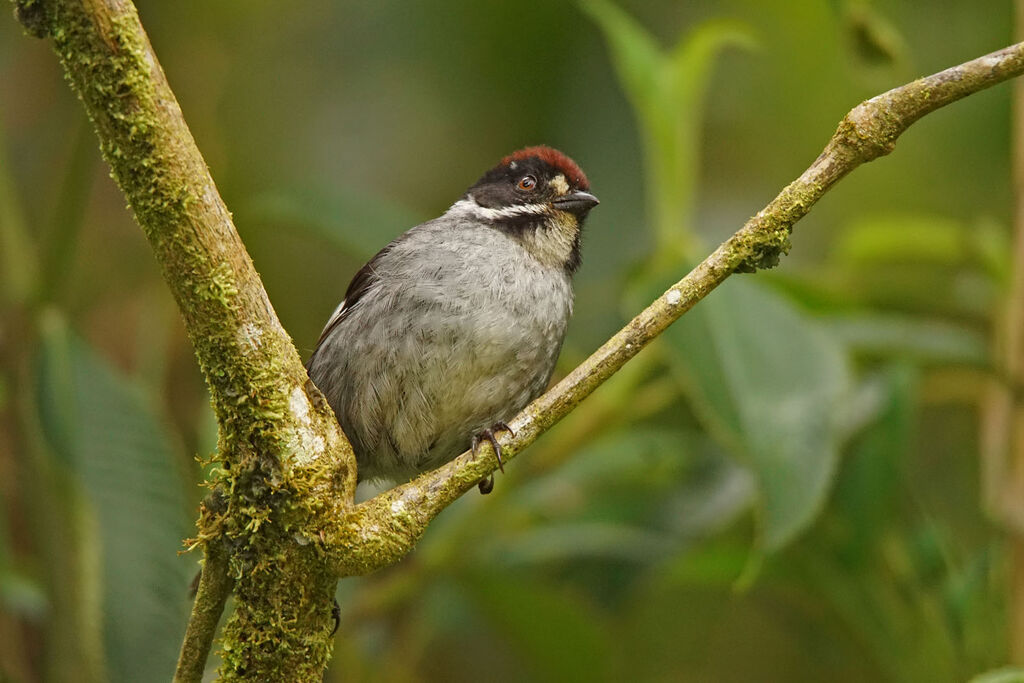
(429, 389)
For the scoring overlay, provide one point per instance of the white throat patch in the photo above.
(552, 243)
(469, 206)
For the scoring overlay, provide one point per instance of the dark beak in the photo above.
(578, 203)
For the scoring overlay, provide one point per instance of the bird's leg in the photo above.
(487, 485)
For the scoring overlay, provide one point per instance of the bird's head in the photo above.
(539, 196)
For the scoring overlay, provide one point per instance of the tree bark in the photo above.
(281, 526)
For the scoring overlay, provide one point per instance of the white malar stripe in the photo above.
(470, 206)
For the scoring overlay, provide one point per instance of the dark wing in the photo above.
(361, 283)
(356, 289)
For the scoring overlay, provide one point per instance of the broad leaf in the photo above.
(117, 450)
(933, 341)
(666, 89)
(1010, 674)
(769, 383)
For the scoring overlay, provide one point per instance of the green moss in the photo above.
(270, 510)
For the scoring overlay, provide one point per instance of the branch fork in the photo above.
(290, 527)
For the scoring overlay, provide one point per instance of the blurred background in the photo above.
(808, 478)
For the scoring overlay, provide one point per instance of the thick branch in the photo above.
(290, 472)
(286, 461)
(248, 359)
(383, 529)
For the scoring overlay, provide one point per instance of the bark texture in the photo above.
(280, 525)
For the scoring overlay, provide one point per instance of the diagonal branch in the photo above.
(286, 517)
(285, 460)
(391, 523)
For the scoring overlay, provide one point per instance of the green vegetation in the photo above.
(783, 488)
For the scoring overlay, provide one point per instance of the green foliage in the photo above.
(354, 223)
(666, 90)
(772, 384)
(557, 634)
(1010, 674)
(823, 414)
(105, 431)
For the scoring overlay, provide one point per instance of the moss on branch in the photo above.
(284, 527)
(286, 464)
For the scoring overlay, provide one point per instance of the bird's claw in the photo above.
(488, 435)
(487, 485)
(336, 615)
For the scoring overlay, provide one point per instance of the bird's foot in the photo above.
(487, 485)
(336, 615)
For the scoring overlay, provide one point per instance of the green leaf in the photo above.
(358, 223)
(643, 457)
(930, 341)
(935, 240)
(118, 451)
(69, 206)
(19, 264)
(770, 384)
(558, 636)
(874, 39)
(555, 543)
(871, 474)
(1009, 674)
(666, 90)
(19, 594)
(22, 596)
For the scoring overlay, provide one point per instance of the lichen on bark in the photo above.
(282, 526)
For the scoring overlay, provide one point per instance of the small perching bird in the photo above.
(456, 325)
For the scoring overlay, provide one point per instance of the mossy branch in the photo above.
(214, 587)
(286, 462)
(392, 522)
(285, 529)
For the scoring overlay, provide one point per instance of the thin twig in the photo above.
(288, 467)
(214, 588)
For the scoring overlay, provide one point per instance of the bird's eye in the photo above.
(527, 182)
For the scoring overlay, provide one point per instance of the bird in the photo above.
(456, 325)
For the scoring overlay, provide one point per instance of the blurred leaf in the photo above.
(19, 594)
(931, 341)
(69, 211)
(1009, 674)
(358, 223)
(992, 248)
(871, 473)
(544, 543)
(715, 564)
(874, 39)
(641, 457)
(118, 451)
(666, 91)
(18, 260)
(22, 596)
(913, 238)
(558, 636)
(711, 499)
(76, 628)
(770, 383)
